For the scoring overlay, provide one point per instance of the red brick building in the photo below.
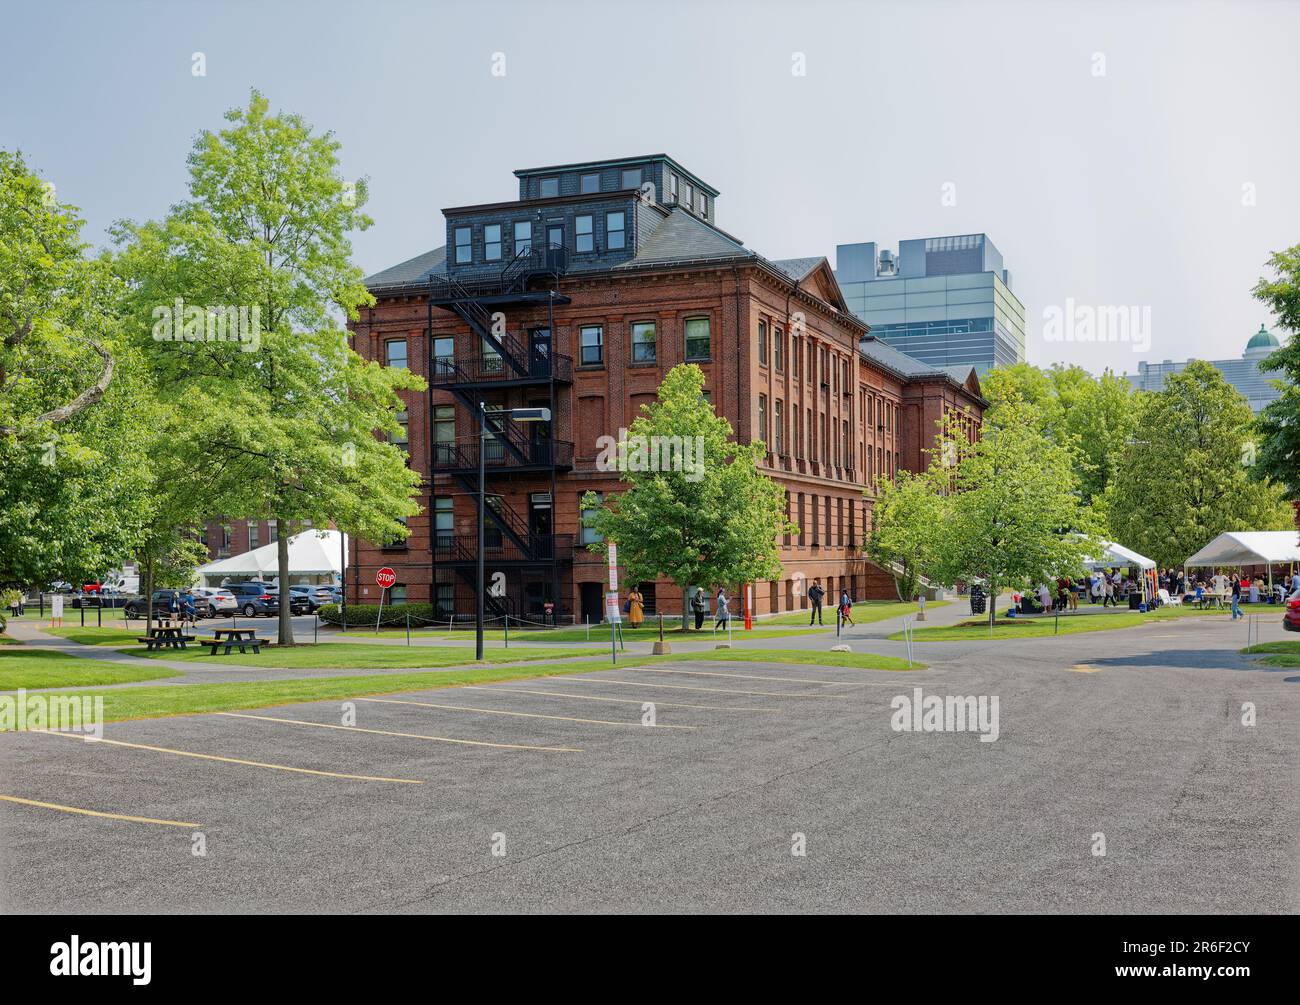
(579, 297)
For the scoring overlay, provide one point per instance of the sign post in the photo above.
(384, 579)
(749, 607)
(613, 614)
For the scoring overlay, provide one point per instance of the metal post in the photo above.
(408, 628)
(343, 578)
(478, 580)
(315, 628)
(507, 626)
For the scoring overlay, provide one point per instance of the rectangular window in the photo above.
(548, 188)
(254, 538)
(397, 594)
(444, 595)
(803, 524)
(395, 353)
(643, 342)
(778, 350)
(615, 236)
(444, 352)
(672, 187)
(778, 417)
(444, 434)
(523, 237)
(697, 339)
(492, 242)
(631, 178)
(592, 345)
(401, 439)
(811, 431)
(583, 238)
(762, 342)
(588, 535)
(794, 356)
(690, 196)
(704, 205)
(464, 247)
(490, 361)
(762, 420)
(589, 183)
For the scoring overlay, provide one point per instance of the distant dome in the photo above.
(1262, 341)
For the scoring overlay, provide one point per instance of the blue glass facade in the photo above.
(942, 300)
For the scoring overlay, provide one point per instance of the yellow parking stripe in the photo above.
(409, 736)
(97, 813)
(750, 676)
(683, 687)
(1085, 668)
(525, 715)
(499, 689)
(251, 764)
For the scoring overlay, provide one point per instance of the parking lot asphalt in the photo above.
(439, 801)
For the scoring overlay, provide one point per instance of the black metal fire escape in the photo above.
(499, 362)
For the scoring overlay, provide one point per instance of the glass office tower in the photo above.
(943, 300)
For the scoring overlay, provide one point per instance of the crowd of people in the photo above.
(1115, 585)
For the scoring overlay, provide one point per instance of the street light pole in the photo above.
(478, 579)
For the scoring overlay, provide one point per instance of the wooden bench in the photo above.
(232, 643)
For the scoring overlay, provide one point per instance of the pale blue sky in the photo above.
(1123, 189)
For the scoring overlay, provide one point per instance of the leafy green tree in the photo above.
(288, 411)
(74, 481)
(908, 518)
(714, 520)
(1279, 422)
(1091, 416)
(1014, 516)
(1184, 477)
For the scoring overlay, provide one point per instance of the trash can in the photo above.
(1134, 601)
(977, 600)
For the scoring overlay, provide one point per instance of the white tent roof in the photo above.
(1117, 554)
(1249, 547)
(311, 553)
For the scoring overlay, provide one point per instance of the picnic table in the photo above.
(230, 638)
(165, 636)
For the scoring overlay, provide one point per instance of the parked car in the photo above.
(1291, 619)
(221, 600)
(255, 598)
(314, 595)
(162, 605)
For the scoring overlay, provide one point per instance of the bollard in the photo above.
(507, 634)
(408, 628)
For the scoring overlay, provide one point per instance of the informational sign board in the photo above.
(613, 611)
(613, 566)
(56, 606)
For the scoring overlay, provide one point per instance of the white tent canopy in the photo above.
(312, 554)
(1249, 547)
(1116, 554)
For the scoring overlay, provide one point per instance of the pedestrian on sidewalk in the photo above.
(700, 606)
(816, 594)
(1236, 599)
(722, 611)
(846, 607)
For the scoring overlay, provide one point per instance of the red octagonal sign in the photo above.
(385, 578)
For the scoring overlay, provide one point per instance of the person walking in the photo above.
(722, 610)
(187, 608)
(1108, 592)
(1094, 587)
(1236, 599)
(846, 606)
(700, 606)
(635, 607)
(816, 594)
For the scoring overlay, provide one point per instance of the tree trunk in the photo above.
(993, 602)
(148, 594)
(686, 608)
(282, 564)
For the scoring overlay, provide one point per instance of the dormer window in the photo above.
(492, 242)
(523, 237)
(704, 206)
(589, 183)
(672, 187)
(631, 178)
(548, 188)
(583, 238)
(464, 247)
(690, 196)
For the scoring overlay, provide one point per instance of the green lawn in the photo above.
(359, 656)
(864, 612)
(88, 636)
(1276, 654)
(194, 699)
(34, 668)
(1039, 627)
(599, 634)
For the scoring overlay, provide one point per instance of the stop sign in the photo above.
(385, 578)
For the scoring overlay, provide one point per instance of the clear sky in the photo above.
(1136, 154)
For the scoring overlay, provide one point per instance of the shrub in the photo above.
(422, 615)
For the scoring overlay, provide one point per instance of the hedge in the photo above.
(422, 615)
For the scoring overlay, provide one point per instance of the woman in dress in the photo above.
(635, 608)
